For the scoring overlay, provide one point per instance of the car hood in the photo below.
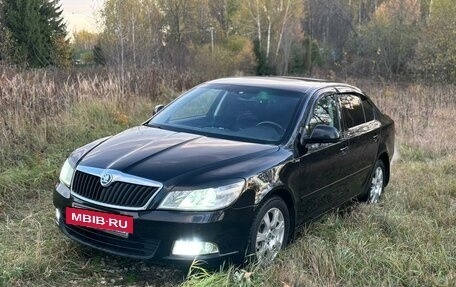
(163, 155)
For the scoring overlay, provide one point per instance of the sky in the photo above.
(81, 14)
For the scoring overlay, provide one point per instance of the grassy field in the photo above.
(407, 240)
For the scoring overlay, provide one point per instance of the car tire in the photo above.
(376, 184)
(270, 231)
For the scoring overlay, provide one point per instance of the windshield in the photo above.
(253, 114)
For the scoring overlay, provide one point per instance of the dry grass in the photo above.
(33, 102)
(408, 240)
(33, 252)
(424, 115)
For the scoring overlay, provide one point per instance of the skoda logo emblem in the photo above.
(106, 179)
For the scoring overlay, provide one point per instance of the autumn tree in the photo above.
(224, 14)
(83, 44)
(284, 36)
(84, 40)
(174, 34)
(436, 51)
(387, 43)
(132, 34)
(330, 23)
(274, 26)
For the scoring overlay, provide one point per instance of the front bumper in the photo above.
(155, 232)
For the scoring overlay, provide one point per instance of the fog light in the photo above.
(58, 215)
(194, 247)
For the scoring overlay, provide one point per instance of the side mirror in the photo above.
(157, 109)
(322, 134)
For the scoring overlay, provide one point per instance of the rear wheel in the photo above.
(376, 183)
(270, 230)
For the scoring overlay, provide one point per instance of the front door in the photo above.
(320, 171)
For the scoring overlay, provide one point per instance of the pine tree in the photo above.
(37, 31)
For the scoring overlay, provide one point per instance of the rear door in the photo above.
(362, 131)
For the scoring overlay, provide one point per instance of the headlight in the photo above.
(203, 199)
(66, 173)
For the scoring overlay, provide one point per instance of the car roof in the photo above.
(306, 85)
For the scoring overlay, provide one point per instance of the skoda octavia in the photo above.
(227, 171)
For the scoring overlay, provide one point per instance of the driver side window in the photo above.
(326, 112)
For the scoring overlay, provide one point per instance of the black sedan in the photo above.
(227, 171)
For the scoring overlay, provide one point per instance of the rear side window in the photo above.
(352, 110)
(368, 110)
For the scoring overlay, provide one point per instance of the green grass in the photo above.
(407, 240)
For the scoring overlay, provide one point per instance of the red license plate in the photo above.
(99, 220)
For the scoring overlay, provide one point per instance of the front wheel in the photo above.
(377, 182)
(270, 230)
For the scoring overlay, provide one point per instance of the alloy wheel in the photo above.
(270, 235)
(376, 185)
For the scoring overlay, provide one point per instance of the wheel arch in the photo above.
(386, 162)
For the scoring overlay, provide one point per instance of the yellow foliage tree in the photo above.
(436, 51)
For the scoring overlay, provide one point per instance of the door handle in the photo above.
(344, 150)
(375, 138)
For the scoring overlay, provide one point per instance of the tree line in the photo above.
(389, 38)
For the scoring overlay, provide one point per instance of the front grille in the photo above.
(120, 194)
(139, 248)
